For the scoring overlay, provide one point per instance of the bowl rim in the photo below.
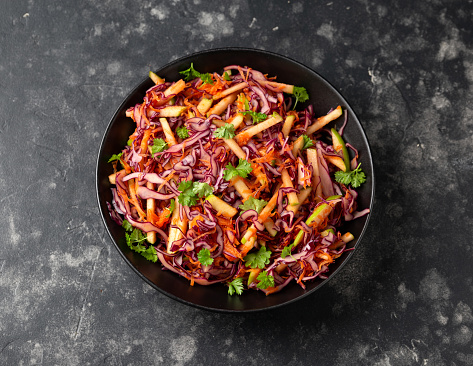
(189, 57)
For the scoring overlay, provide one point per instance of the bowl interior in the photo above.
(322, 96)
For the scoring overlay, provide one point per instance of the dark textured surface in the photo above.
(68, 298)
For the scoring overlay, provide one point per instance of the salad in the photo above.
(224, 181)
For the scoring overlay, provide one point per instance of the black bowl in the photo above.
(323, 97)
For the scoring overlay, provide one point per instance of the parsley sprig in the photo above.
(287, 250)
(135, 242)
(355, 177)
(265, 280)
(259, 259)
(204, 257)
(236, 286)
(253, 204)
(191, 191)
(182, 132)
(171, 208)
(301, 95)
(242, 170)
(159, 145)
(227, 131)
(191, 74)
(307, 142)
(115, 157)
(257, 116)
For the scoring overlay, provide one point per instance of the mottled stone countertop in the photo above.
(406, 296)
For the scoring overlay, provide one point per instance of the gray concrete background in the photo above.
(66, 295)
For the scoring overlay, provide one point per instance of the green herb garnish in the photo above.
(204, 257)
(301, 95)
(236, 286)
(227, 131)
(182, 132)
(242, 170)
(253, 204)
(265, 280)
(258, 259)
(355, 177)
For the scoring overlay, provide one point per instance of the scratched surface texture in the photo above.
(68, 298)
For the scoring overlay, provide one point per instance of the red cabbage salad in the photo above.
(225, 180)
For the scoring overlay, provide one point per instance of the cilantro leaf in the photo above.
(206, 78)
(187, 197)
(253, 204)
(159, 145)
(204, 257)
(343, 177)
(182, 132)
(257, 116)
(190, 73)
(115, 157)
(184, 185)
(355, 177)
(171, 207)
(258, 259)
(265, 280)
(236, 286)
(202, 189)
(242, 170)
(307, 142)
(127, 226)
(287, 250)
(150, 254)
(301, 95)
(135, 241)
(226, 76)
(227, 131)
(191, 191)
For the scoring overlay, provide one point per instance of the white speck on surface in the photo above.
(91, 71)
(113, 68)
(26, 15)
(327, 31)
(405, 296)
(275, 28)
(233, 10)
(15, 237)
(468, 71)
(449, 50)
(182, 349)
(36, 355)
(440, 101)
(462, 314)
(253, 21)
(434, 287)
(213, 25)
(442, 320)
(297, 8)
(161, 12)
(317, 57)
(98, 30)
(463, 335)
